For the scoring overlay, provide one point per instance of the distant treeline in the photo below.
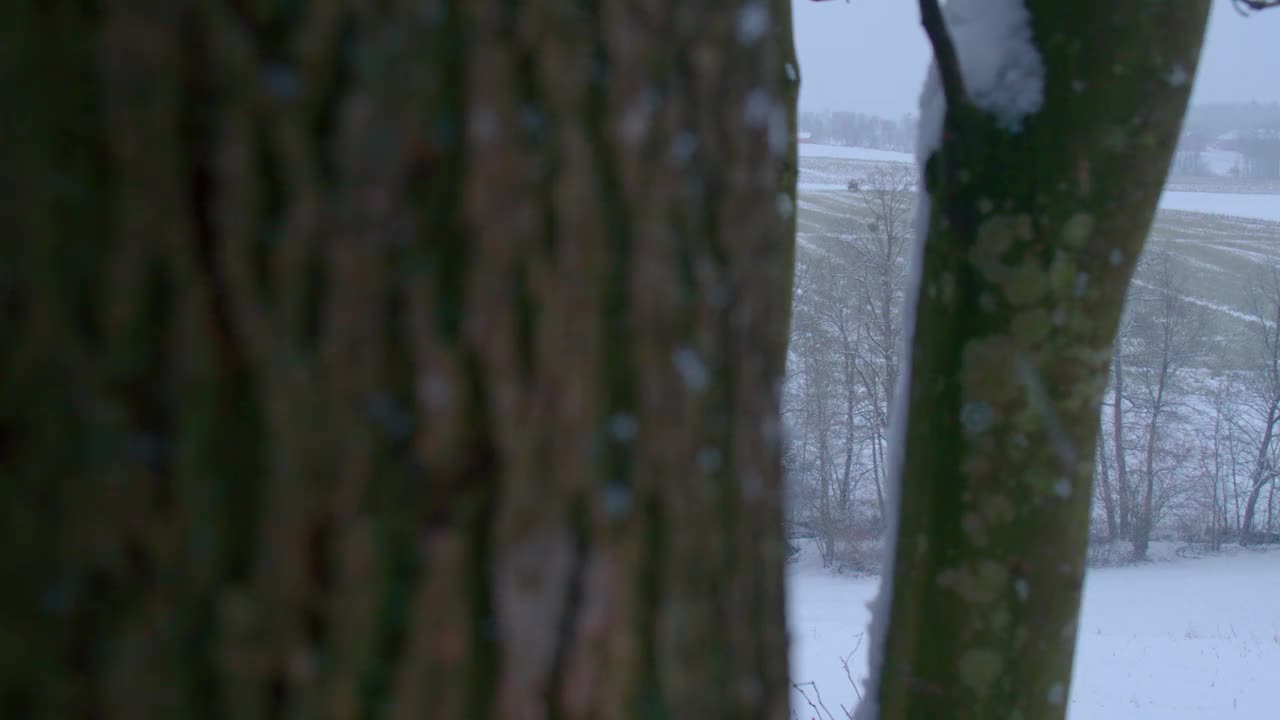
(858, 129)
(1251, 129)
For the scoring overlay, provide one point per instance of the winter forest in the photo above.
(618, 360)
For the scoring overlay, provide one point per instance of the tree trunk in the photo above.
(877, 470)
(1123, 495)
(1146, 517)
(1250, 508)
(850, 423)
(1271, 509)
(1235, 484)
(1215, 541)
(1032, 238)
(1108, 499)
(1262, 472)
(393, 360)
(826, 518)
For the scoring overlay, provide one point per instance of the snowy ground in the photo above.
(1224, 238)
(1182, 639)
(854, 153)
(1257, 206)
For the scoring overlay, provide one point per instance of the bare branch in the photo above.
(1244, 7)
(944, 53)
(844, 663)
(821, 707)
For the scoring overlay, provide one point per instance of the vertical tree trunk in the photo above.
(826, 518)
(1104, 489)
(1123, 494)
(1251, 506)
(1032, 237)
(1262, 472)
(393, 360)
(1215, 528)
(1271, 509)
(1235, 485)
(1146, 516)
(877, 470)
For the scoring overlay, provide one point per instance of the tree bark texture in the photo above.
(393, 360)
(1032, 239)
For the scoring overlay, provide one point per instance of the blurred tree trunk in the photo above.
(1032, 238)
(393, 360)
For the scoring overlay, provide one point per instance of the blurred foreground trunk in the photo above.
(393, 360)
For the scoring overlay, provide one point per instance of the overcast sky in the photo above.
(871, 55)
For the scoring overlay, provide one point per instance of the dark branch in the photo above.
(1244, 6)
(944, 53)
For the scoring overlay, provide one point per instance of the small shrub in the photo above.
(1106, 553)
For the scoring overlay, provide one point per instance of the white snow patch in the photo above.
(1003, 71)
(623, 426)
(1177, 75)
(689, 364)
(753, 22)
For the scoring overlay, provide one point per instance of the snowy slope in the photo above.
(1259, 207)
(1178, 640)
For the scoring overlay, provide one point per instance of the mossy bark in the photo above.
(1032, 239)
(393, 360)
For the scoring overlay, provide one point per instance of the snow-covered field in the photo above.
(1226, 237)
(854, 153)
(1256, 206)
(1182, 639)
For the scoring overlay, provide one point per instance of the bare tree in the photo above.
(888, 197)
(844, 357)
(1123, 484)
(1263, 393)
(1216, 461)
(1103, 487)
(1167, 335)
(826, 425)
